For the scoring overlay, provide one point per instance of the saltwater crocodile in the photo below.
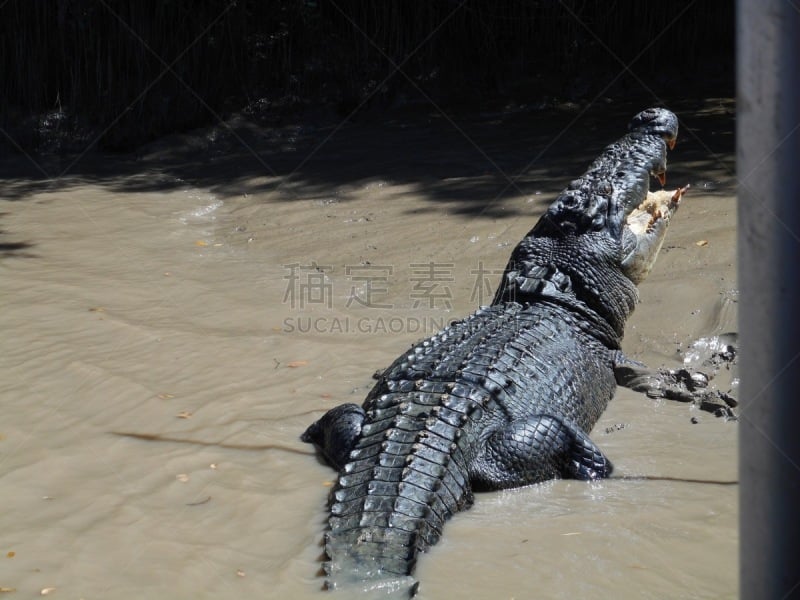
(505, 397)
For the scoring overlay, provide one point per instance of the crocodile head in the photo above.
(646, 223)
(601, 235)
(618, 182)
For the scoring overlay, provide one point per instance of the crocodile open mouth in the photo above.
(648, 223)
(657, 206)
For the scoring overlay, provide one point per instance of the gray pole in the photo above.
(768, 166)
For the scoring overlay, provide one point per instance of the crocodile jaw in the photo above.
(645, 229)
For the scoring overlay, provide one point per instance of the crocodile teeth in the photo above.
(648, 223)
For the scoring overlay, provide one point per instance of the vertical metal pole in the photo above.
(768, 166)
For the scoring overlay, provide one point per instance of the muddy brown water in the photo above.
(213, 301)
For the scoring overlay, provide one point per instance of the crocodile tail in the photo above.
(373, 561)
(391, 502)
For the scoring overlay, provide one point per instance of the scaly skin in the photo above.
(507, 396)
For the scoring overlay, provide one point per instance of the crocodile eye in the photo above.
(598, 222)
(570, 200)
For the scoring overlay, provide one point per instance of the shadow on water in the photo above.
(467, 163)
(15, 249)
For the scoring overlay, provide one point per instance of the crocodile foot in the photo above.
(681, 385)
(336, 432)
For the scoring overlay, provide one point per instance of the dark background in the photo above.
(119, 73)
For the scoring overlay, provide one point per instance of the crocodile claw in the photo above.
(679, 385)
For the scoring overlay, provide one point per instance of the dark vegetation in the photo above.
(474, 101)
(121, 73)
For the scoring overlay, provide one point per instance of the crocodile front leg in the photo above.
(681, 385)
(535, 449)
